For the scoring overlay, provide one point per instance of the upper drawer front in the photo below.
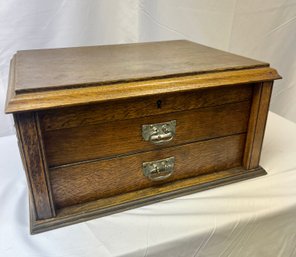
(142, 107)
(119, 137)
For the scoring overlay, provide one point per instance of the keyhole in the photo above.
(158, 104)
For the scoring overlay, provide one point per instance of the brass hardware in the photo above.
(159, 170)
(159, 133)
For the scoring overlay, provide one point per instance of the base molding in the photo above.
(102, 207)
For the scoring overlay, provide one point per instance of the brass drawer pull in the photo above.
(159, 170)
(159, 133)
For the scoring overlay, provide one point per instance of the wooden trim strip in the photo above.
(36, 169)
(44, 162)
(257, 123)
(95, 94)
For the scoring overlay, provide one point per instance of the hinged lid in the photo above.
(40, 79)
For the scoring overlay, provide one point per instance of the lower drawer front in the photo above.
(85, 182)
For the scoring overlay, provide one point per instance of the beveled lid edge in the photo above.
(96, 94)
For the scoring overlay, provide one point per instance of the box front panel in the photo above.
(98, 151)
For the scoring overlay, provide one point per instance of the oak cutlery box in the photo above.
(103, 129)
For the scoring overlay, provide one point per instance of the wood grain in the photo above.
(124, 91)
(34, 163)
(257, 123)
(109, 139)
(86, 182)
(83, 66)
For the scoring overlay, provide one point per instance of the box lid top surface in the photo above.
(51, 69)
(54, 78)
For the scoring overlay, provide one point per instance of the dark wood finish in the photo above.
(78, 115)
(90, 181)
(142, 107)
(257, 122)
(34, 163)
(83, 212)
(82, 66)
(125, 136)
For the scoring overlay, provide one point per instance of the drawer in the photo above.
(89, 181)
(121, 137)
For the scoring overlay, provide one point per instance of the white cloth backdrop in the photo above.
(231, 221)
(264, 30)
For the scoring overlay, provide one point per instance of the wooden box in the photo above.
(107, 128)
